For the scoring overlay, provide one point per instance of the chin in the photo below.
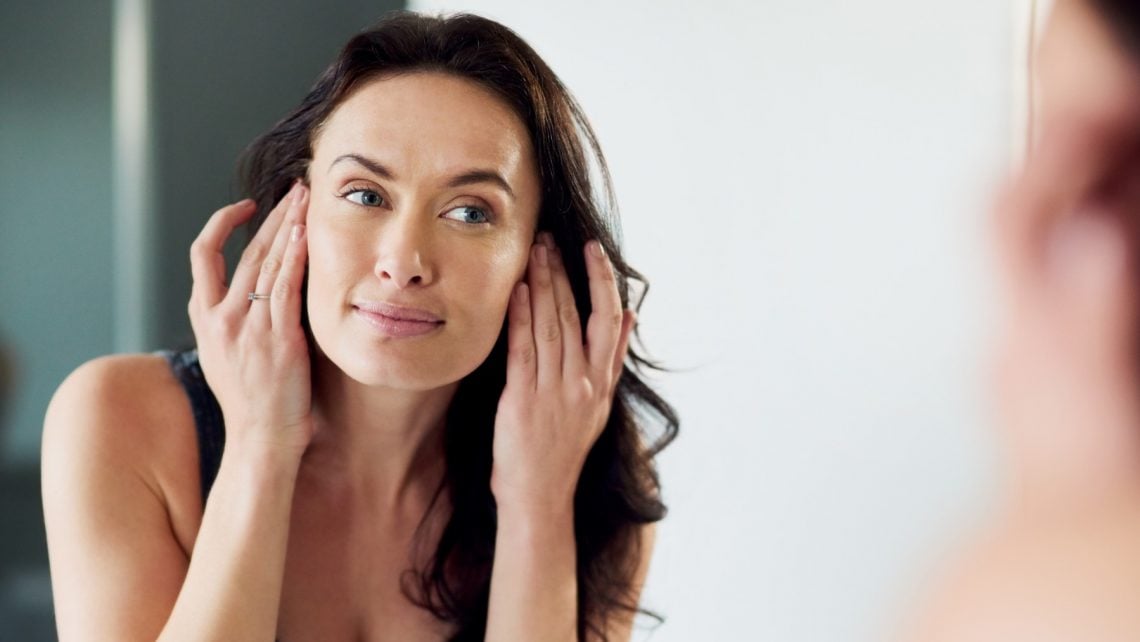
(416, 364)
(393, 377)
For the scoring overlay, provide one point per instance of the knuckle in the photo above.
(226, 323)
(282, 291)
(616, 320)
(270, 266)
(581, 392)
(568, 313)
(525, 355)
(253, 256)
(549, 331)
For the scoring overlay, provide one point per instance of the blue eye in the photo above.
(368, 198)
(471, 214)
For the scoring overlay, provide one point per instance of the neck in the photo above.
(384, 445)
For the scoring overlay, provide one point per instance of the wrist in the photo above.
(524, 495)
(532, 514)
(274, 460)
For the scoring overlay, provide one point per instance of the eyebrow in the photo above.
(471, 177)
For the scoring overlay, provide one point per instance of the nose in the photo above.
(403, 257)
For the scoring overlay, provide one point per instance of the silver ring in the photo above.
(253, 296)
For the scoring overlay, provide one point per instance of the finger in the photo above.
(629, 319)
(207, 264)
(285, 304)
(271, 266)
(521, 353)
(249, 266)
(604, 326)
(573, 356)
(547, 333)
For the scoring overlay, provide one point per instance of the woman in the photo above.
(429, 430)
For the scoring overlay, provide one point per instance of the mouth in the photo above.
(397, 312)
(398, 323)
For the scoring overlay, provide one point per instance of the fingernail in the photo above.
(296, 233)
(540, 254)
(596, 248)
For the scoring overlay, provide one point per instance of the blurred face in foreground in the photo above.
(1062, 560)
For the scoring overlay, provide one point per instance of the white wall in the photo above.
(803, 183)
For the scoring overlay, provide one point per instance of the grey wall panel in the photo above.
(55, 259)
(223, 73)
(55, 211)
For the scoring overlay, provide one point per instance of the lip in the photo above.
(397, 327)
(397, 312)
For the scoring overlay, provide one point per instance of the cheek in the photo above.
(330, 257)
(503, 269)
(480, 284)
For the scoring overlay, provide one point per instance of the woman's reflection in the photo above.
(434, 427)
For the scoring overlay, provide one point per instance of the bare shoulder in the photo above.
(130, 412)
(119, 480)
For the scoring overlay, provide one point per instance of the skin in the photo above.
(326, 475)
(1060, 560)
(379, 401)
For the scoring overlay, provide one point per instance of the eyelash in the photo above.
(486, 212)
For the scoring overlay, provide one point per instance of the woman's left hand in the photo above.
(559, 391)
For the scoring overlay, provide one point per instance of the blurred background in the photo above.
(802, 182)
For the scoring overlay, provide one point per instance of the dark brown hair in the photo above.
(618, 490)
(1123, 17)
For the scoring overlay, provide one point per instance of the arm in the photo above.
(558, 397)
(534, 586)
(118, 572)
(233, 586)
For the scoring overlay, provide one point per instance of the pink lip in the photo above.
(397, 312)
(397, 327)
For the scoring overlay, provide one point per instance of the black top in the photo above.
(207, 413)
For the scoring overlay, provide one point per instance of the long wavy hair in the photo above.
(618, 490)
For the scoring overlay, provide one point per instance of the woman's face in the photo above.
(425, 195)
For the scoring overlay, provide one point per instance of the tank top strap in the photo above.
(207, 413)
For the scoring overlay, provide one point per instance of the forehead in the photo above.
(427, 120)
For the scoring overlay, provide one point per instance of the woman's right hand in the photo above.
(253, 353)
